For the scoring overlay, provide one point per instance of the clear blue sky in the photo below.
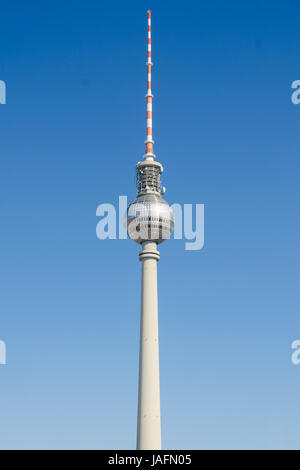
(228, 136)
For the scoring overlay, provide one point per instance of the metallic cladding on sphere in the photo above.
(149, 218)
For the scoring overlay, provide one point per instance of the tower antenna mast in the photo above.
(149, 97)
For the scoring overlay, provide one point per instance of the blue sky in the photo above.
(227, 134)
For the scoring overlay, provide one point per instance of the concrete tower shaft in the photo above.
(148, 423)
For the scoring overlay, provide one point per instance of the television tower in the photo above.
(150, 221)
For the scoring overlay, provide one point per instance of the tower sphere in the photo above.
(149, 218)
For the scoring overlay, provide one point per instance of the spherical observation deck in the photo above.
(149, 218)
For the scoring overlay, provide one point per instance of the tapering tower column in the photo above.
(148, 426)
(150, 221)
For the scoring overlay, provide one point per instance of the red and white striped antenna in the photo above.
(149, 141)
